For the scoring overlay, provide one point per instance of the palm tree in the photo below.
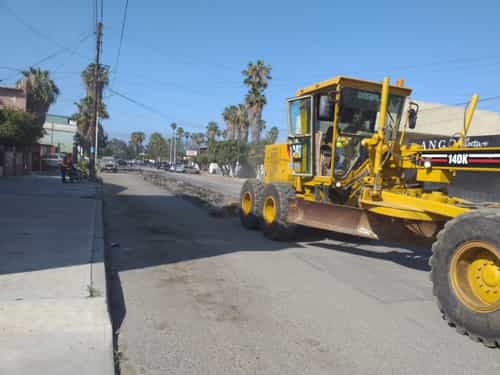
(137, 138)
(187, 135)
(84, 117)
(198, 138)
(212, 129)
(41, 92)
(255, 102)
(242, 122)
(257, 77)
(230, 118)
(173, 126)
(88, 78)
(272, 135)
(180, 134)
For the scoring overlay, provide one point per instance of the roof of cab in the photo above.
(351, 82)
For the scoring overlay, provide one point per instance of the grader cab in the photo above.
(347, 168)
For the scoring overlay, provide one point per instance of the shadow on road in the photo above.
(415, 258)
(153, 230)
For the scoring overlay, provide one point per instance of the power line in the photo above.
(443, 106)
(34, 30)
(124, 21)
(91, 15)
(38, 62)
(80, 43)
(151, 109)
(49, 57)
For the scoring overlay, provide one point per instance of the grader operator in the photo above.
(347, 168)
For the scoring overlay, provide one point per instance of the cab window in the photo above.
(300, 116)
(360, 111)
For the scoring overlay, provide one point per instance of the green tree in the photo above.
(41, 92)
(84, 119)
(272, 135)
(137, 138)
(257, 76)
(230, 116)
(86, 106)
(202, 160)
(179, 134)
(198, 139)
(242, 123)
(173, 126)
(117, 148)
(225, 154)
(18, 128)
(103, 138)
(88, 78)
(187, 138)
(157, 147)
(212, 130)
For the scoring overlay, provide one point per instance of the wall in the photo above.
(12, 98)
(439, 119)
(59, 132)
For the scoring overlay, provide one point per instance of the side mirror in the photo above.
(325, 108)
(412, 115)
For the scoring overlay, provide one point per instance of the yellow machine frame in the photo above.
(385, 192)
(382, 190)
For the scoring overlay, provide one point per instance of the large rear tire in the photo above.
(465, 271)
(274, 212)
(250, 203)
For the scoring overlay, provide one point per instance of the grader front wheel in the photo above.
(465, 270)
(274, 211)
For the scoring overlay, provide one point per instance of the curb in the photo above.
(98, 282)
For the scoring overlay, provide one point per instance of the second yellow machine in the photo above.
(347, 168)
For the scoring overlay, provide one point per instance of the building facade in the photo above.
(13, 98)
(59, 132)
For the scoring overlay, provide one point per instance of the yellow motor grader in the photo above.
(347, 168)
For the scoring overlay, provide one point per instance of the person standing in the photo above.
(63, 166)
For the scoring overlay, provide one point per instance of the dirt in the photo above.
(217, 204)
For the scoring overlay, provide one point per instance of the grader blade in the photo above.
(359, 222)
(333, 217)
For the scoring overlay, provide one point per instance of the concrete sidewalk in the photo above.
(51, 262)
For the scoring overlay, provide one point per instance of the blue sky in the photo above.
(184, 58)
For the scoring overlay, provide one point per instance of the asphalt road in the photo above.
(192, 294)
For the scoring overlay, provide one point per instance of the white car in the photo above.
(179, 168)
(52, 160)
(108, 163)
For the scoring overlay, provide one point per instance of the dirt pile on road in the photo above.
(217, 203)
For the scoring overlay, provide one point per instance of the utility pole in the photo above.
(97, 71)
(175, 148)
(169, 151)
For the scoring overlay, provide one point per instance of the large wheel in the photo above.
(465, 271)
(250, 203)
(274, 212)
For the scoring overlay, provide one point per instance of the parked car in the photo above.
(52, 160)
(121, 163)
(108, 163)
(179, 168)
(192, 170)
